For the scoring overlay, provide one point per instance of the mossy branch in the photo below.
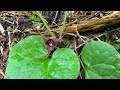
(92, 24)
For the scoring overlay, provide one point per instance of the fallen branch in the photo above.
(92, 24)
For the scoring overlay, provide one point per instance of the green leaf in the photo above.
(101, 60)
(25, 61)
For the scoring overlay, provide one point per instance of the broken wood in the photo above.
(92, 24)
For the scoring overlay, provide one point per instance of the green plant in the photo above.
(101, 60)
(26, 61)
(30, 61)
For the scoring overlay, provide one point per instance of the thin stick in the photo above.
(1, 50)
(82, 63)
(55, 18)
(77, 55)
(9, 40)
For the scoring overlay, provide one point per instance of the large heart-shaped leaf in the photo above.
(101, 60)
(25, 61)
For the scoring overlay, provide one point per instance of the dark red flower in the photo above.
(51, 43)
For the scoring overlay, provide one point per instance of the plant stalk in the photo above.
(64, 20)
(46, 25)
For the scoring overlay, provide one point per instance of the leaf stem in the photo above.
(46, 25)
(64, 20)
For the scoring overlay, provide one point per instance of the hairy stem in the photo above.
(64, 20)
(46, 25)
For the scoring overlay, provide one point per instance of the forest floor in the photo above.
(19, 24)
